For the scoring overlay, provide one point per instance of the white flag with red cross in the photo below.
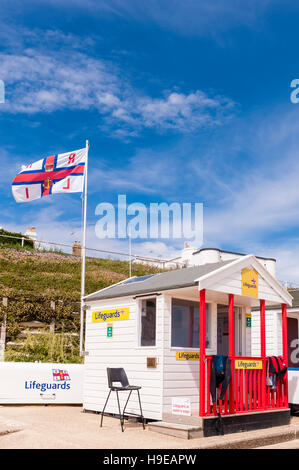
(61, 173)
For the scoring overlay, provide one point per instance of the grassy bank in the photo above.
(31, 280)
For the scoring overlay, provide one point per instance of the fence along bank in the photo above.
(151, 326)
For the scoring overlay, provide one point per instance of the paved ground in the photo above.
(283, 445)
(67, 427)
(56, 427)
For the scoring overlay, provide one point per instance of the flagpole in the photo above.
(130, 252)
(83, 253)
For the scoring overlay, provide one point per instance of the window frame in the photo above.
(295, 316)
(139, 326)
(191, 348)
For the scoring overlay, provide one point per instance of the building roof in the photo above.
(295, 294)
(295, 304)
(195, 252)
(174, 279)
(231, 253)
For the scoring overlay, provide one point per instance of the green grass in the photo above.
(45, 347)
(6, 240)
(32, 279)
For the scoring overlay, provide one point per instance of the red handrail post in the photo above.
(263, 349)
(202, 350)
(231, 350)
(285, 351)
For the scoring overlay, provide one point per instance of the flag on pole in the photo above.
(62, 173)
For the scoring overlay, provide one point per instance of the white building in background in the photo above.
(191, 256)
(31, 233)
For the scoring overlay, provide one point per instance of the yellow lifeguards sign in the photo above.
(250, 279)
(187, 356)
(111, 314)
(248, 364)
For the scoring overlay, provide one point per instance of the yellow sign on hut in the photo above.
(250, 282)
(248, 364)
(187, 356)
(111, 314)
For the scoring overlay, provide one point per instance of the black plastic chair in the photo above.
(118, 375)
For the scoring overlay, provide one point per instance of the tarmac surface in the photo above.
(283, 445)
(68, 427)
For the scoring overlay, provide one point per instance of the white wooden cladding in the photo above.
(122, 350)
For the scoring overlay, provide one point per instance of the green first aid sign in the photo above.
(248, 320)
(109, 330)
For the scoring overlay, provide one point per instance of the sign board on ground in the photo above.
(33, 383)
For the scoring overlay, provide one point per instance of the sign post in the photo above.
(83, 254)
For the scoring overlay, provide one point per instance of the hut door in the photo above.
(222, 330)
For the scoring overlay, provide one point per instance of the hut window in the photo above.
(185, 324)
(148, 322)
(293, 341)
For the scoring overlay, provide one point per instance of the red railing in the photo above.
(250, 392)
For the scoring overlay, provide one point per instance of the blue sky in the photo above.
(182, 101)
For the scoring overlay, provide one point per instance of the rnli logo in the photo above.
(251, 284)
(47, 183)
(60, 375)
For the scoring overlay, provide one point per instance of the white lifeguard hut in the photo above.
(163, 329)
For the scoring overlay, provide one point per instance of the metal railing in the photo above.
(138, 258)
(248, 390)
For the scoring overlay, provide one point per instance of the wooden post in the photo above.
(263, 349)
(231, 350)
(52, 324)
(285, 350)
(3, 332)
(202, 350)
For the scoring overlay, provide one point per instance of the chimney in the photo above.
(76, 248)
(31, 233)
(187, 253)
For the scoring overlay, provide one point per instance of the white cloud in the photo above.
(42, 79)
(71, 230)
(262, 203)
(141, 174)
(262, 195)
(251, 197)
(39, 82)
